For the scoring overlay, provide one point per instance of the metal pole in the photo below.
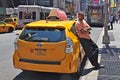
(106, 36)
(27, 2)
(12, 3)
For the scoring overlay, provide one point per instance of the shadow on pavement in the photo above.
(83, 70)
(110, 50)
(30, 75)
(86, 71)
(110, 58)
(3, 32)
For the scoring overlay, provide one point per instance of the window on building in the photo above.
(34, 15)
(20, 14)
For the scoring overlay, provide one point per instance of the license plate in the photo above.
(41, 52)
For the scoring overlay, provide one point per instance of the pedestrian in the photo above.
(111, 22)
(114, 18)
(117, 18)
(90, 48)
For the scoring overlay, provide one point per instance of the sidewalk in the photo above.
(109, 55)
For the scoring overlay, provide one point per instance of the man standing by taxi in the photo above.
(90, 48)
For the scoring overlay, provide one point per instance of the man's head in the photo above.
(80, 15)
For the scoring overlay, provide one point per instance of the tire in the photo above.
(10, 29)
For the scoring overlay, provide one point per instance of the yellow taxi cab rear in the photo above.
(48, 46)
(4, 27)
(12, 20)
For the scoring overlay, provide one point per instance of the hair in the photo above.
(81, 13)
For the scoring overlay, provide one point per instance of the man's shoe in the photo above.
(98, 67)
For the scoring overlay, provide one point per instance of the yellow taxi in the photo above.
(48, 46)
(4, 27)
(12, 20)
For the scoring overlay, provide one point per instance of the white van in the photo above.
(30, 13)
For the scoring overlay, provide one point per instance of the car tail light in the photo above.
(15, 43)
(69, 45)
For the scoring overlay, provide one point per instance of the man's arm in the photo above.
(80, 29)
(87, 26)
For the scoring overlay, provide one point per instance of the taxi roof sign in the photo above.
(57, 14)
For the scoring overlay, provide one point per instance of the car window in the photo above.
(43, 34)
(1, 22)
(8, 20)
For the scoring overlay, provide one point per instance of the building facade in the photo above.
(69, 6)
(3, 3)
(65, 5)
(9, 3)
(47, 3)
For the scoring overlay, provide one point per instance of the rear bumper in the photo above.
(68, 65)
(39, 61)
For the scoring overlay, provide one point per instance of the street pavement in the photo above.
(109, 55)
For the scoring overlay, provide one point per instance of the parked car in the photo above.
(4, 27)
(12, 20)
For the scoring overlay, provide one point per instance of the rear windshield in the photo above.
(43, 34)
(8, 20)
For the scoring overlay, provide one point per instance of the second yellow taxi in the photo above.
(5, 27)
(12, 20)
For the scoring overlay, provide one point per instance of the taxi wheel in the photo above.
(10, 29)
